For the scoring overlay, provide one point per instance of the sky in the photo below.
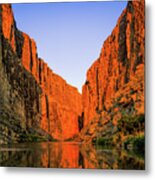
(69, 36)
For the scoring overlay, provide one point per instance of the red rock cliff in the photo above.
(60, 103)
(118, 74)
(120, 65)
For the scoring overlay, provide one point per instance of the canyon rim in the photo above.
(103, 127)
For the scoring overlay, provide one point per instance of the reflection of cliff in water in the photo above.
(68, 155)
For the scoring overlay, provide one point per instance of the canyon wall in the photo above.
(58, 104)
(19, 92)
(112, 94)
(61, 103)
(115, 82)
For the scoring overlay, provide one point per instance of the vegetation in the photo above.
(131, 124)
(35, 137)
(31, 138)
(101, 141)
(129, 134)
(137, 142)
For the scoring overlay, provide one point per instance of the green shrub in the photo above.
(104, 141)
(130, 124)
(138, 143)
(32, 138)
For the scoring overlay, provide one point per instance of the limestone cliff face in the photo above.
(121, 57)
(19, 92)
(113, 94)
(60, 104)
(40, 98)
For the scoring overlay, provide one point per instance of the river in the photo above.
(68, 155)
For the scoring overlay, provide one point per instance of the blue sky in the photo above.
(69, 36)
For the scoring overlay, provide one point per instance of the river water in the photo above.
(68, 155)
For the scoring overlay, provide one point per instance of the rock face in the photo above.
(44, 96)
(34, 98)
(115, 81)
(19, 91)
(60, 103)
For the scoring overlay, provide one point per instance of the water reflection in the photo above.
(68, 155)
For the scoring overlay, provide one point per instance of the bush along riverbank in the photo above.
(128, 134)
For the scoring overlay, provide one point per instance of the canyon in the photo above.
(37, 104)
